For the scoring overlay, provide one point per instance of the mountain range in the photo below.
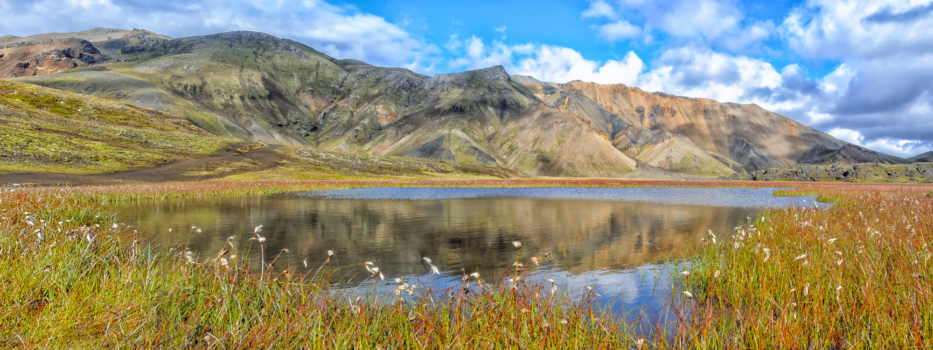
(251, 86)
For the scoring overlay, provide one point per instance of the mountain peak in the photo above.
(471, 78)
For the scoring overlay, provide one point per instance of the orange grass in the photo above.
(856, 275)
(70, 278)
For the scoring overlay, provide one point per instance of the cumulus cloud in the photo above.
(702, 72)
(902, 148)
(340, 31)
(548, 63)
(690, 18)
(599, 8)
(863, 29)
(883, 87)
(886, 14)
(717, 23)
(618, 30)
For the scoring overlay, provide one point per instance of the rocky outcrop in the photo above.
(765, 139)
(748, 155)
(871, 172)
(480, 78)
(48, 57)
(848, 154)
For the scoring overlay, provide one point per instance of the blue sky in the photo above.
(859, 70)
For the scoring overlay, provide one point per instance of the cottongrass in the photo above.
(89, 285)
(81, 283)
(850, 276)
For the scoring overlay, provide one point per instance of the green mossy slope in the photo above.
(44, 129)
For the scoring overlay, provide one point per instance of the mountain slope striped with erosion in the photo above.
(257, 87)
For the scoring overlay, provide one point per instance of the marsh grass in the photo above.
(851, 276)
(74, 278)
(854, 275)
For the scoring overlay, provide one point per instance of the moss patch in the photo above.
(52, 131)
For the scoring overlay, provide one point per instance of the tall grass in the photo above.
(74, 278)
(854, 275)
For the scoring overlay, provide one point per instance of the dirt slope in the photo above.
(711, 125)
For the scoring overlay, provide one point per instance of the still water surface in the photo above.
(613, 238)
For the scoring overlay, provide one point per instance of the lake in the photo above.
(610, 238)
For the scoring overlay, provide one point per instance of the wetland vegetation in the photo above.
(852, 275)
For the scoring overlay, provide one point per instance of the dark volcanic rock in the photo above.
(865, 172)
(848, 154)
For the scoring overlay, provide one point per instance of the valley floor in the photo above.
(258, 161)
(232, 160)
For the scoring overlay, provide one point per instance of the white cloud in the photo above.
(690, 18)
(896, 147)
(838, 80)
(561, 64)
(618, 30)
(846, 29)
(453, 44)
(701, 72)
(479, 55)
(743, 39)
(717, 23)
(599, 8)
(500, 29)
(549, 63)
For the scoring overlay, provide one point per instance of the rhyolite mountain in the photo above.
(255, 86)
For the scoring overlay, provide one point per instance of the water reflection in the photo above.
(589, 241)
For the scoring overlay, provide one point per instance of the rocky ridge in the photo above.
(260, 87)
(869, 172)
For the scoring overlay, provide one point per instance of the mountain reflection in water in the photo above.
(587, 239)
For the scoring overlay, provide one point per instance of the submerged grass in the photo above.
(854, 275)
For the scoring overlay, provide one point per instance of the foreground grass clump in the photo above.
(854, 275)
(72, 277)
